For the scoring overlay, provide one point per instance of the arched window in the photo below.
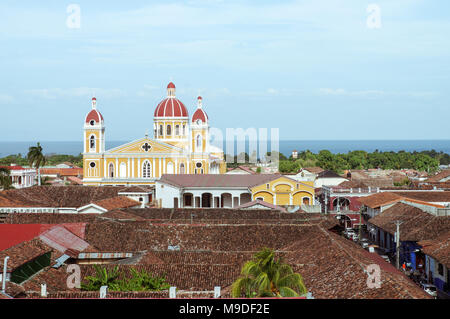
(199, 168)
(92, 142)
(111, 170)
(198, 142)
(184, 129)
(146, 170)
(169, 130)
(182, 171)
(161, 130)
(177, 130)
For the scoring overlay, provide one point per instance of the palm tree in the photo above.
(5, 178)
(263, 276)
(37, 159)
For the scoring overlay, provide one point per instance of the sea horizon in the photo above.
(285, 146)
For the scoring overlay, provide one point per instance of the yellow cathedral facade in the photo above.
(180, 145)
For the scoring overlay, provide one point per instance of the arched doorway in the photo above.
(206, 200)
(226, 200)
(188, 200)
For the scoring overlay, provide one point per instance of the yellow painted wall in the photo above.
(283, 188)
(267, 197)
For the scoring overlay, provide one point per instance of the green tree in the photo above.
(103, 277)
(117, 281)
(37, 159)
(264, 276)
(5, 178)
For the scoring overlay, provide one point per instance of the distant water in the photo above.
(286, 146)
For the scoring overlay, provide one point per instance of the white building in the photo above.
(22, 177)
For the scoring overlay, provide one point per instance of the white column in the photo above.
(128, 168)
(105, 169)
(139, 168)
(132, 167)
(176, 171)
(160, 167)
(164, 165)
(153, 167)
(117, 167)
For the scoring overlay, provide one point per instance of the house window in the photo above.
(92, 122)
(111, 170)
(92, 164)
(177, 130)
(268, 186)
(92, 142)
(146, 170)
(441, 269)
(169, 130)
(161, 130)
(182, 168)
(184, 129)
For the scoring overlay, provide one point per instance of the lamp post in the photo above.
(397, 241)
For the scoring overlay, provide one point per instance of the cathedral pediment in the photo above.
(145, 145)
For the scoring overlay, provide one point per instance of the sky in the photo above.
(317, 70)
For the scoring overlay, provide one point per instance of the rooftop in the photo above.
(416, 224)
(217, 180)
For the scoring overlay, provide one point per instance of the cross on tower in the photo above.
(146, 147)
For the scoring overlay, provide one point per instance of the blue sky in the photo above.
(313, 69)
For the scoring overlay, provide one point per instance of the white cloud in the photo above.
(373, 93)
(55, 93)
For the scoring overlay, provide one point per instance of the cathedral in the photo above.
(180, 146)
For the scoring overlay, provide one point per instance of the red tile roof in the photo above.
(440, 176)
(262, 203)
(416, 224)
(62, 171)
(438, 248)
(217, 180)
(117, 202)
(23, 252)
(50, 196)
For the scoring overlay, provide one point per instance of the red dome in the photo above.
(199, 114)
(171, 107)
(171, 85)
(94, 115)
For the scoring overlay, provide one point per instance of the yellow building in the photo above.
(284, 191)
(180, 146)
(232, 190)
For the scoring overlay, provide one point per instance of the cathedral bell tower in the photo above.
(94, 131)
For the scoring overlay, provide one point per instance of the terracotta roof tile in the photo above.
(217, 180)
(117, 202)
(416, 224)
